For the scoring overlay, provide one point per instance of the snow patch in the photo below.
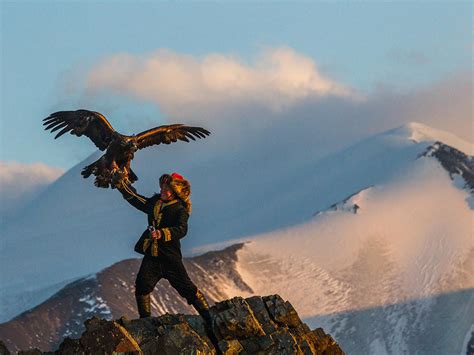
(96, 305)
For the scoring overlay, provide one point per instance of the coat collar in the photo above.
(164, 204)
(172, 202)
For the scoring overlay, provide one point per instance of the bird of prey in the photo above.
(113, 167)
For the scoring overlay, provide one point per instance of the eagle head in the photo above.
(129, 145)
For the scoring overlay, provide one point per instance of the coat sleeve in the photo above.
(179, 230)
(130, 194)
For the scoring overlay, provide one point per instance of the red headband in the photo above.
(177, 176)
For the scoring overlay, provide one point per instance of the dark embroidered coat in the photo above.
(170, 218)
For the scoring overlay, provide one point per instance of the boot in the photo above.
(202, 307)
(144, 305)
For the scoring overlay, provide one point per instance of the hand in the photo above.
(116, 179)
(156, 234)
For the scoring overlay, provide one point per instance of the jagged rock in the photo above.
(454, 161)
(34, 351)
(179, 338)
(229, 347)
(101, 336)
(260, 311)
(70, 347)
(171, 334)
(325, 343)
(256, 325)
(282, 312)
(235, 319)
(3, 349)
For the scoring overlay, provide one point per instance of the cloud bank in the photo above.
(281, 88)
(278, 78)
(20, 183)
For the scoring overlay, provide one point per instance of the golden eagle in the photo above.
(114, 166)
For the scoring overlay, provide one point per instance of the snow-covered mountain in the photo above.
(386, 268)
(390, 270)
(75, 229)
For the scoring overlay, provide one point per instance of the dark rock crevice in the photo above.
(454, 161)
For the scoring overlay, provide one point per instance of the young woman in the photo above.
(168, 214)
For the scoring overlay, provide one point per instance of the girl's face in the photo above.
(166, 193)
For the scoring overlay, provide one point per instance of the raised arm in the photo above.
(130, 194)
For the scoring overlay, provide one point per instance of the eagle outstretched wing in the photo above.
(82, 122)
(169, 133)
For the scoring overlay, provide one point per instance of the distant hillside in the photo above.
(109, 294)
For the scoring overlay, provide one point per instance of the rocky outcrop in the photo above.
(265, 325)
(3, 349)
(454, 161)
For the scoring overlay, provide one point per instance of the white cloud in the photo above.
(278, 78)
(20, 183)
(280, 96)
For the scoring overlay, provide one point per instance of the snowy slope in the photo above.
(75, 229)
(403, 249)
(388, 269)
(393, 275)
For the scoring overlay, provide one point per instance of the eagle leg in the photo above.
(118, 177)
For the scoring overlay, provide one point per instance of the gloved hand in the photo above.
(116, 179)
(154, 233)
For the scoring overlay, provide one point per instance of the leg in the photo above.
(202, 307)
(178, 277)
(147, 278)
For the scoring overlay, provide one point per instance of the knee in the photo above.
(143, 286)
(187, 291)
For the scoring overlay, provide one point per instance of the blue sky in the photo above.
(366, 45)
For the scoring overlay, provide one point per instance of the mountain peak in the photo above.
(419, 132)
(419, 129)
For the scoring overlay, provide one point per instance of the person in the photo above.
(168, 214)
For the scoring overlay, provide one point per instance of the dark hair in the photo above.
(165, 179)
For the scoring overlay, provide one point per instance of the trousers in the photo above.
(153, 270)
